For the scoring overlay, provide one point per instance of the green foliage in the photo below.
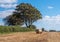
(33, 27)
(8, 29)
(43, 29)
(24, 14)
(52, 30)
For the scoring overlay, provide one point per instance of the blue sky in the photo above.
(49, 9)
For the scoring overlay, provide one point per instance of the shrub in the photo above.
(33, 27)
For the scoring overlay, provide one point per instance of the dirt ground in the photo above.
(30, 37)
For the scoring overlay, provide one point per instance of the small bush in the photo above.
(33, 27)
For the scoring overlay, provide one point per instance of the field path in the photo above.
(30, 37)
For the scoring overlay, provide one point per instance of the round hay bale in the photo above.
(38, 31)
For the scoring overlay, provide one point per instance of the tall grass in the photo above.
(8, 29)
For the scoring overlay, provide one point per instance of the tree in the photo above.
(13, 20)
(24, 14)
(43, 29)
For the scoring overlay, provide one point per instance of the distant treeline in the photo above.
(53, 31)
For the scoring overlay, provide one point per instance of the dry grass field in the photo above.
(30, 37)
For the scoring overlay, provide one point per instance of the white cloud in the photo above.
(49, 22)
(50, 7)
(5, 13)
(8, 3)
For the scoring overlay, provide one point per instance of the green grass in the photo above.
(9, 29)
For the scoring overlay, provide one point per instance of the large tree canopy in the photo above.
(24, 14)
